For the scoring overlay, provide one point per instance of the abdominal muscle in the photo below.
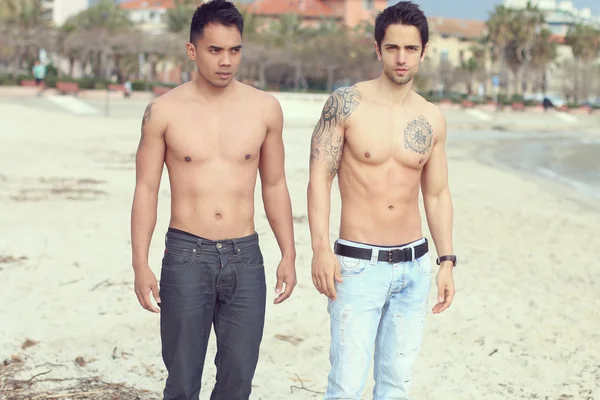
(213, 203)
(380, 204)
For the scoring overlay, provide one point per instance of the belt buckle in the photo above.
(409, 253)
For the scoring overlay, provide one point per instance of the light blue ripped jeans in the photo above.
(380, 310)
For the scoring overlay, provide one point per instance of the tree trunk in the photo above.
(330, 78)
(297, 76)
(262, 75)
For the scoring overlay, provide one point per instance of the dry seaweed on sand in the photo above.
(39, 387)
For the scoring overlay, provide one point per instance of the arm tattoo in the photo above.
(324, 146)
(145, 119)
(418, 135)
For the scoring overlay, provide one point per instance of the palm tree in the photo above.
(585, 44)
(179, 18)
(96, 35)
(499, 36)
(24, 30)
(513, 35)
(543, 54)
(290, 37)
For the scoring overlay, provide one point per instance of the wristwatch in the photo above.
(441, 259)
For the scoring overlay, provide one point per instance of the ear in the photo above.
(424, 52)
(377, 51)
(191, 51)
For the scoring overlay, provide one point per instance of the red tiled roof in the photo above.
(464, 28)
(147, 4)
(304, 8)
(558, 39)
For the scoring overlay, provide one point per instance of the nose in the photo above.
(401, 57)
(225, 60)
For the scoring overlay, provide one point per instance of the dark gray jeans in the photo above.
(205, 282)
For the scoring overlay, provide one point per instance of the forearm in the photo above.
(143, 222)
(319, 203)
(278, 207)
(439, 218)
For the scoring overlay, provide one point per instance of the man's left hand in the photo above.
(445, 284)
(286, 274)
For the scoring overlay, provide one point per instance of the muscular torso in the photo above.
(385, 150)
(212, 156)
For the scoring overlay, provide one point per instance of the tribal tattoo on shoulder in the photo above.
(325, 145)
(145, 119)
(418, 135)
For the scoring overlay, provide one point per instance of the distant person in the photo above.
(127, 88)
(385, 143)
(547, 104)
(215, 135)
(39, 73)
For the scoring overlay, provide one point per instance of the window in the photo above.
(444, 55)
(368, 4)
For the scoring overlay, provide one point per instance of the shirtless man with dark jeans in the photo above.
(385, 143)
(213, 134)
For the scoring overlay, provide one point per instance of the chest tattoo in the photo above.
(418, 135)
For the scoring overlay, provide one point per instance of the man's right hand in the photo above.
(145, 282)
(325, 272)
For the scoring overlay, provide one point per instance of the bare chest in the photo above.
(204, 136)
(404, 140)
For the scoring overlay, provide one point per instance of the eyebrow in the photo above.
(395, 45)
(213, 47)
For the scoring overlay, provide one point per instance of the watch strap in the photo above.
(447, 258)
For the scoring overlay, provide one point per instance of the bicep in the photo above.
(150, 154)
(272, 153)
(435, 173)
(327, 143)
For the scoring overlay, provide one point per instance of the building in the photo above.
(148, 14)
(560, 15)
(348, 12)
(452, 39)
(58, 11)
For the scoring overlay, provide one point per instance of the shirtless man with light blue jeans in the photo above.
(385, 143)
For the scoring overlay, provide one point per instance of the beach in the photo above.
(524, 324)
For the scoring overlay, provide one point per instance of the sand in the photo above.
(525, 323)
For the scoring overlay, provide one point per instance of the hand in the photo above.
(286, 273)
(325, 272)
(145, 282)
(445, 284)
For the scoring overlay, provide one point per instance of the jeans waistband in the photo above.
(383, 248)
(222, 244)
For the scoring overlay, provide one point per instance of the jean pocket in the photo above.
(351, 267)
(250, 257)
(178, 257)
(424, 265)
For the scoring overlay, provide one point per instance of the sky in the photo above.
(479, 9)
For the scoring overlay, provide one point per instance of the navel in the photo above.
(188, 159)
(391, 208)
(367, 154)
(248, 156)
(218, 215)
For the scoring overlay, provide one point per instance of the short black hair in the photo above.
(405, 13)
(220, 12)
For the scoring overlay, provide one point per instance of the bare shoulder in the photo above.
(433, 115)
(162, 106)
(350, 96)
(341, 104)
